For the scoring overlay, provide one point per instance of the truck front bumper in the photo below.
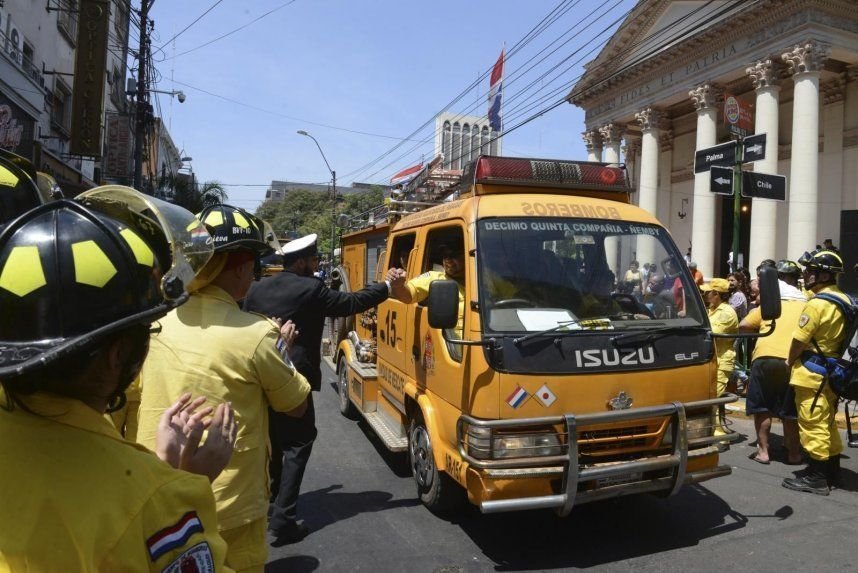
(670, 468)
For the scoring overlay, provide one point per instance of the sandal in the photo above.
(753, 457)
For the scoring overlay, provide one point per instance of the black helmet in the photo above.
(233, 228)
(786, 267)
(822, 260)
(74, 271)
(19, 191)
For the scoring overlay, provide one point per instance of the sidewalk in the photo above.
(737, 410)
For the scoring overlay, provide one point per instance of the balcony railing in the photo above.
(16, 56)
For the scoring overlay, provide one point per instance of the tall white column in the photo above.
(703, 232)
(764, 212)
(611, 135)
(805, 62)
(593, 140)
(648, 188)
(630, 157)
(831, 189)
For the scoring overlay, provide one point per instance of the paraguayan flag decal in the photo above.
(518, 397)
(174, 536)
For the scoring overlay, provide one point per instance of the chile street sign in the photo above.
(763, 185)
(721, 180)
(724, 154)
(754, 148)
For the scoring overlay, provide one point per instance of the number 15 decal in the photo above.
(388, 332)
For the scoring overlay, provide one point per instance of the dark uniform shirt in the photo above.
(306, 301)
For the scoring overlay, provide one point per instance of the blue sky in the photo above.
(377, 66)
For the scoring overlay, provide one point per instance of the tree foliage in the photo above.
(192, 195)
(302, 212)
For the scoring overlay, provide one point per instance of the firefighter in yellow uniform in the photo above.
(212, 348)
(821, 322)
(723, 320)
(417, 289)
(81, 282)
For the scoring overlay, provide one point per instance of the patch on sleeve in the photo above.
(197, 559)
(280, 345)
(174, 536)
(803, 320)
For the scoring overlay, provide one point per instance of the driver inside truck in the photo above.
(451, 252)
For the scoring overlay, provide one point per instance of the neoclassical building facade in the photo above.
(654, 95)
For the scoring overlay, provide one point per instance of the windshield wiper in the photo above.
(651, 333)
(561, 325)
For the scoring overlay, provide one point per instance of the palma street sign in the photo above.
(724, 155)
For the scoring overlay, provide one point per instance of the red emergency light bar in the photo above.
(548, 173)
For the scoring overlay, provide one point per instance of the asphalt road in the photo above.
(360, 503)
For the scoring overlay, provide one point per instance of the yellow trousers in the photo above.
(817, 430)
(247, 549)
(720, 388)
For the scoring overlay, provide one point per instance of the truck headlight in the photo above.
(480, 442)
(527, 446)
(701, 426)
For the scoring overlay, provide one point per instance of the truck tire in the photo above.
(436, 490)
(347, 409)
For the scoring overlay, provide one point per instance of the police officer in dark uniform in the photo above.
(296, 295)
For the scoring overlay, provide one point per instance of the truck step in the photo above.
(389, 435)
(364, 369)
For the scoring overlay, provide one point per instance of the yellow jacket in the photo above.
(210, 347)
(822, 321)
(75, 496)
(724, 321)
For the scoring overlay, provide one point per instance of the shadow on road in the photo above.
(294, 564)
(332, 506)
(603, 532)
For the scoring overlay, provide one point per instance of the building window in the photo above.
(446, 145)
(120, 18)
(67, 19)
(457, 146)
(466, 145)
(61, 107)
(484, 140)
(475, 142)
(494, 144)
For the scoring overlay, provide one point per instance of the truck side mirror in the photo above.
(444, 304)
(770, 293)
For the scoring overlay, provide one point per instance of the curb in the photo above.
(737, 410)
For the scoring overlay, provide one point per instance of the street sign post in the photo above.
(763, 185)
(721, 180)
(724, 155)
(754, 148)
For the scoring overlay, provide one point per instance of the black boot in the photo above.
(813, 481)
(833, 474)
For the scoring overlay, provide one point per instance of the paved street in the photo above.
(360, 503)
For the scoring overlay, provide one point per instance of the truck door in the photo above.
(391, 318)
(438, 364)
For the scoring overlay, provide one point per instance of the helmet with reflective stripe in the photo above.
(823, 260)
(786, 267)
(19, 191)
(75, 271)
(233, 228)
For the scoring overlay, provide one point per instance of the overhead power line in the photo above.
(186, 28)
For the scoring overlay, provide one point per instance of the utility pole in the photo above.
(333, 218)
(142, 107)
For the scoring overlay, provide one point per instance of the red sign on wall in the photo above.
(738, 116)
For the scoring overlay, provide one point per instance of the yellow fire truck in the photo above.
(541, 378)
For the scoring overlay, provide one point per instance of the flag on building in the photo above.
(495, 93)
(406, 175)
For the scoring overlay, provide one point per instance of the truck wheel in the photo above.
(436, 490)
(347, 409)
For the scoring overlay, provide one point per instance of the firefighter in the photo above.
(212, 348)
(820, 330)
(81, 284)
(723, 319)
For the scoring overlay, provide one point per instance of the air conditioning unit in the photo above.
(14, 40)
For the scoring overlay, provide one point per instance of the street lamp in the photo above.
(333, 198)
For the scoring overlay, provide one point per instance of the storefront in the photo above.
(16, 128)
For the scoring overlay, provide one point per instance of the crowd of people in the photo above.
(116, 303)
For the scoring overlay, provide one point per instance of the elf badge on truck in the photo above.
(539, 377)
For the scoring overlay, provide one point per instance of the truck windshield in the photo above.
(581, 275)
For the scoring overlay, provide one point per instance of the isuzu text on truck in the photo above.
(532, 381)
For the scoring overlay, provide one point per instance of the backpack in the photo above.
(840, 373)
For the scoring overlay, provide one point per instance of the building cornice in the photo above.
(757, 23)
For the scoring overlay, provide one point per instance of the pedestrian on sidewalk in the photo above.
(769, 393)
